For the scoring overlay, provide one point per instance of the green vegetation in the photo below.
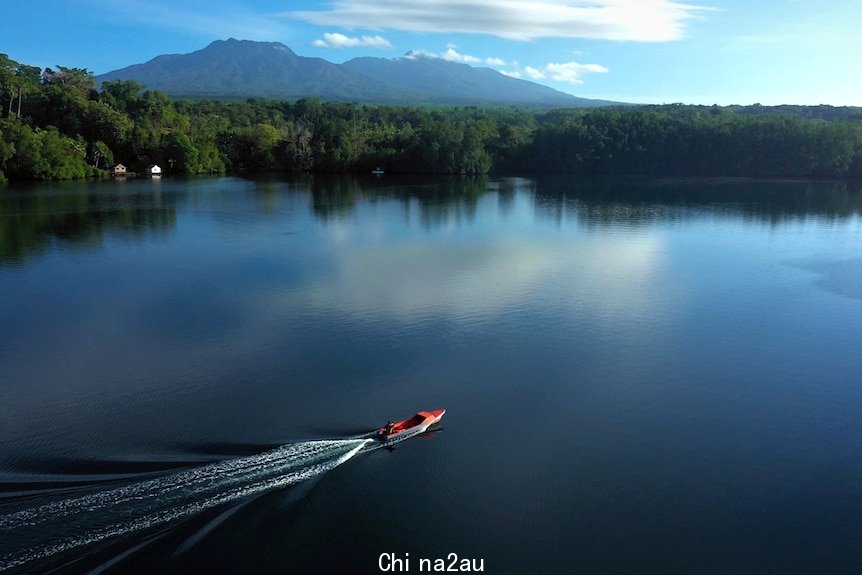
(57, 125)
(692, 141)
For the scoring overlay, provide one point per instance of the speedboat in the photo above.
(401, 430)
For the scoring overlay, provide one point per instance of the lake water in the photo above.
(641, 376)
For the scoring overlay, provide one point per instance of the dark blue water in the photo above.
(640, 376)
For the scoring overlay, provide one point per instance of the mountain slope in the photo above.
(246, 69)
(450, 82)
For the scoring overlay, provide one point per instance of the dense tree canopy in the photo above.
(58, 125)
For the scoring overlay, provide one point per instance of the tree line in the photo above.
(56, 124)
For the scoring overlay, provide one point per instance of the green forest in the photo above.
(57, 124)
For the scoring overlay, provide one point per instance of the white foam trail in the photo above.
(161, 500)
(198, 479)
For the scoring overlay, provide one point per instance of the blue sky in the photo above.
(662, 51)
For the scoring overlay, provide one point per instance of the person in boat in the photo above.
(387, 429)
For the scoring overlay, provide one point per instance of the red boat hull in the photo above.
(409, 427)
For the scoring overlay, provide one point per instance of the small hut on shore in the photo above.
(154, 170)
(118, 170)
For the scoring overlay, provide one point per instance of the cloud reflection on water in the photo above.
(491, 274)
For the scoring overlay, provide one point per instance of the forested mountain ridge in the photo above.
(55, 124)
(240, 69)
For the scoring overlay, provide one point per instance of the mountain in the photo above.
(453, 83)
(245, 69)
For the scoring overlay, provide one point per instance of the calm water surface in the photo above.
(641, 376)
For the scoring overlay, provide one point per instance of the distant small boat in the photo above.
(377, 171)
(419, 423)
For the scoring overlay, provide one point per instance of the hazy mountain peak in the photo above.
(414, 54)
(234, 44)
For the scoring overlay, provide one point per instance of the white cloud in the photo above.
(452, 55)
(638, 20)
(571, 72)
(534, 73)
(336, 40)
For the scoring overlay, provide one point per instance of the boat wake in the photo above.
(63, 525)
